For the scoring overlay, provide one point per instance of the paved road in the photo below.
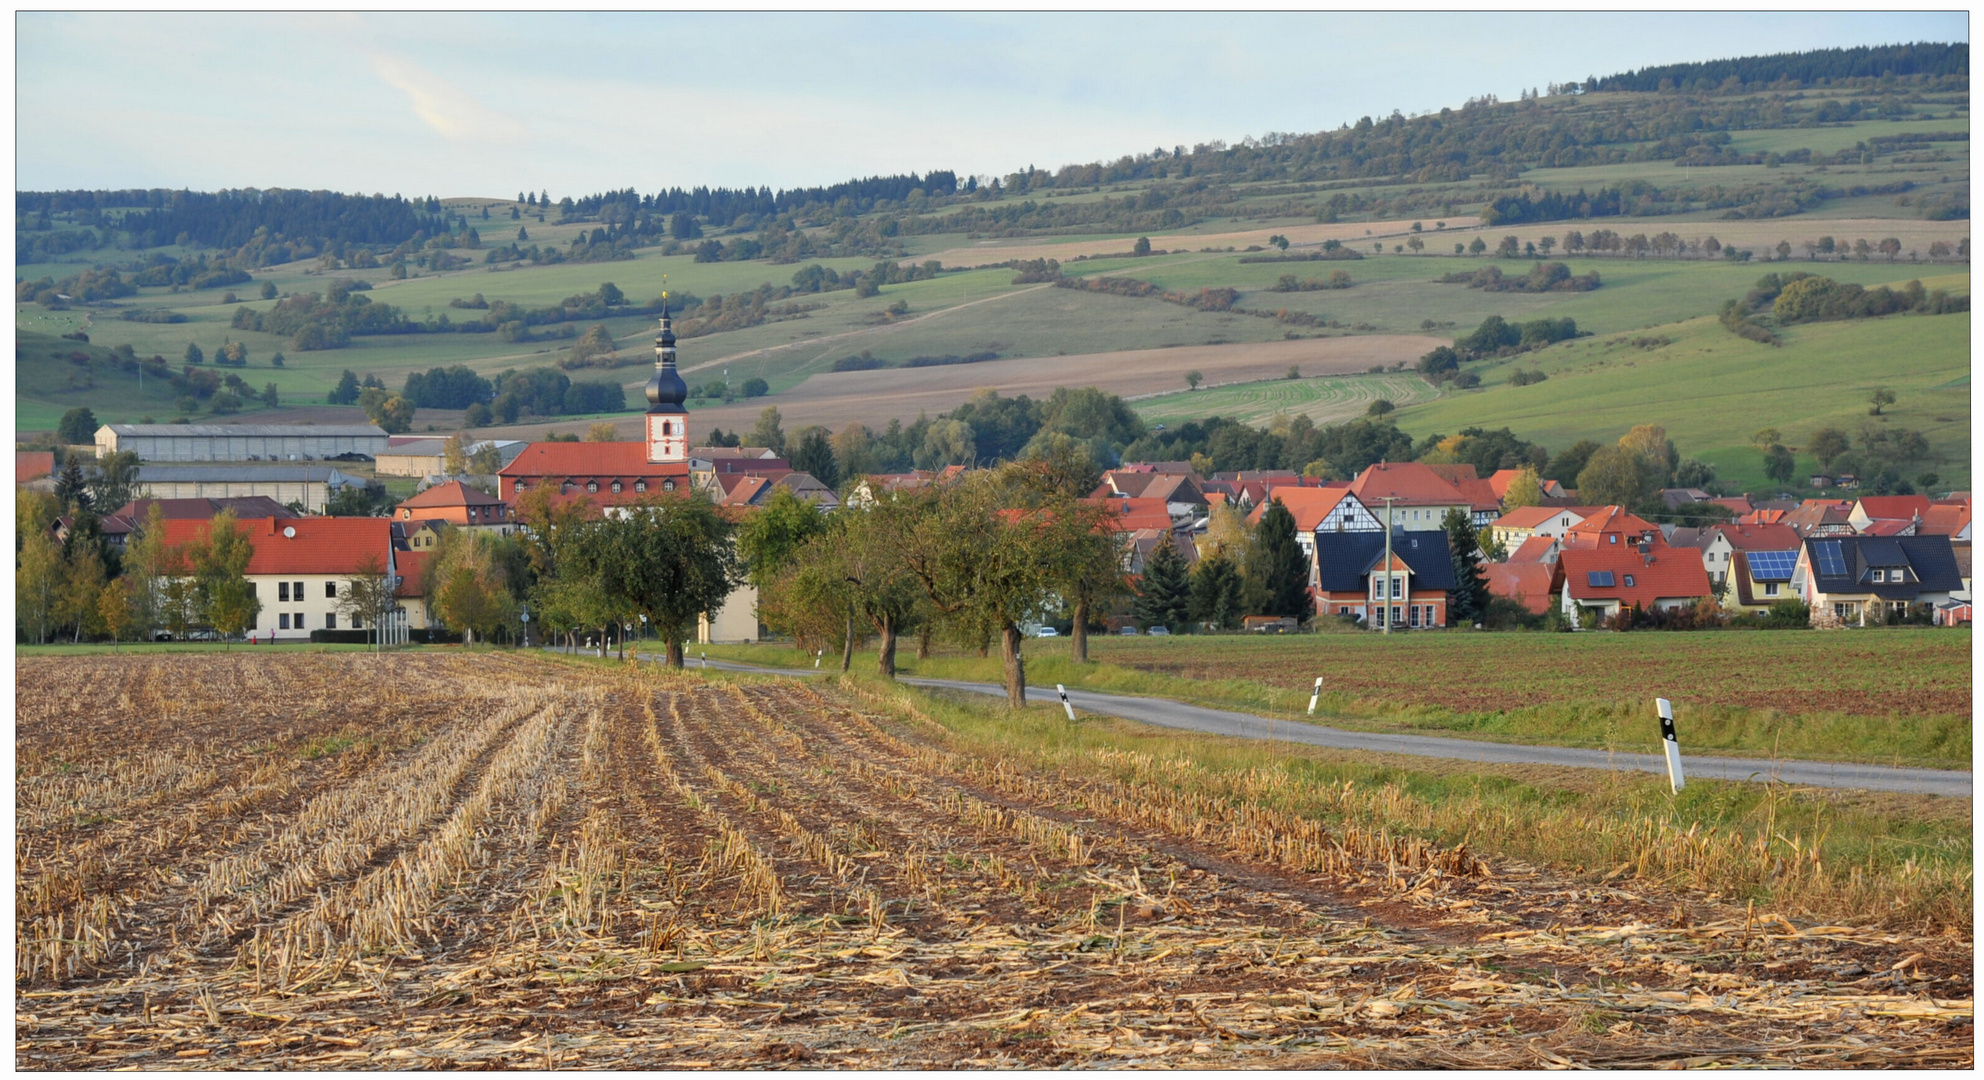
(1166, 713)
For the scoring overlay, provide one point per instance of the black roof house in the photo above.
(1344, 560)
(1846, 564)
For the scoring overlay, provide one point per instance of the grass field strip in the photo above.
(582, 866)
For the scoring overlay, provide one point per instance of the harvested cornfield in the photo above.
(352, 861)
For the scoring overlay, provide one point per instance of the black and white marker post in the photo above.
(1315, 695)
(1673, 744)
(1064, 700)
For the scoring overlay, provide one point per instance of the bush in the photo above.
(755, 387)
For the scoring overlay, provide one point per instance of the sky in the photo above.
(490, 104)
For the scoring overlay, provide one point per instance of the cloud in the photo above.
(445, 107)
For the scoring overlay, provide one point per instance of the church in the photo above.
(616, 473)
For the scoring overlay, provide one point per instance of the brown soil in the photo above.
(614, 869)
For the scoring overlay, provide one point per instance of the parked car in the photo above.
(1048, 631)
(1128, 631)
(1159, 631)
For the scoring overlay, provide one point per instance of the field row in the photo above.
(514, 863)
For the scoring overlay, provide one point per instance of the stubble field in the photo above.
(478, 861)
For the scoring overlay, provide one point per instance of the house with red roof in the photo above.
(1420, 497)
(301, 566)
(1721, 542)
(1526, 583)
(1483, 500)
(1946, 519)
(1612, 527)
(412, 588)
(458, 504)
(1820, 517)
(1502, 478)
(1518, 525)
(1600, 580)
(1869, 509)
(1318, 510)
(1536, 549)
(605, 474)
(31, 465)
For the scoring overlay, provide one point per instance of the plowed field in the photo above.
(349, 861)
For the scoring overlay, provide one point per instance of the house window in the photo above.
(592, 486)
(668, 485)
(1398, 586)
(282, 621)
(330, 620)
(1414, 612)
(1397, 615)
(1613, 539)
(1629, 581)
(616, 487)
(1430, 621)
(1770, 588)
(519, 489)
(640, 486)
(282, 590)
(296, 591)
(330, 590)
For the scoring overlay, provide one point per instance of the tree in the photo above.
(669, 558)
(1779, 465)
(476, 415)
(1615, 475)
(389, 411)
(1226, 535)
(454, 454)
(117, 610)
(1890, 247)
(1526, 489)
(368, 595)
(1218, 593)
(769, 540)
(1477, 246)
(148, 564)
(37, 579)
(768, 433)
(82, 587)
(77, 427)
(276, 360)
(269, 290)
(1380, 407)
(1881, 398)
(194, 354)
(346, 391)
(218, 562)
(601, 431)
(1470, 595)
(814, 454)
(1276, 570)
(1085, 557)
(486, 461)
(1828, 444)
(1164, 596)
(271, 396)
(466, 585)
(114, 481)
(1193, 379)
(1141, 247)
(1765, 438)
(755, 387)
(854, 570)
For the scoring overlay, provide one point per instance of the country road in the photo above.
(1172, 714)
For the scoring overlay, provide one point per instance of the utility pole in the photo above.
(1386, 592)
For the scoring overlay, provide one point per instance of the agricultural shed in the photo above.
(423, 455)
(240, 442)
(309, 486)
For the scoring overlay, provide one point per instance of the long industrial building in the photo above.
(308, 486)
(241, 442)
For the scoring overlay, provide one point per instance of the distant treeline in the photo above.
(1862, 62)
(724, 206)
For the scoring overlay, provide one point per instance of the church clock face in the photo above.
(668, 437)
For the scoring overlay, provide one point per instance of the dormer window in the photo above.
(564, 487)
(519, 489)
(616, 487)
(592, 487)
(640, 486)
(668, 485)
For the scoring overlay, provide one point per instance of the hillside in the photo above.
(785, 286)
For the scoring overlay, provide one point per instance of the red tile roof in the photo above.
(1527, 583)
(32, 464)
(1894, 507)
(320, 545)
(412, 566)
(1611, 521)
(1527, 517)
(452, 493)
(1137, 513)
(244, 507)
(582, 460)
(1665, 574)
(1309, 506)
(1408, 483)
(1533, 549)
(1945, 519)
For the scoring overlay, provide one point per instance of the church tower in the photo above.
(668, 421)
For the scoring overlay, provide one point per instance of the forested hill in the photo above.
(1398, 166)
(1789, 70)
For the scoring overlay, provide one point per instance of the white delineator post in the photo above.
(816, 659)
(1315, 695)
(1673, 744)
(1064, 700)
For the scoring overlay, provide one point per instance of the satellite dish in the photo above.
(289, 531)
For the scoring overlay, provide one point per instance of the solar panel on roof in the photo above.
(1832, 561)
(1599, 579)
(1772, 565)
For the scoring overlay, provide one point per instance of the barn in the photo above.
(241, 442)
(308, 486)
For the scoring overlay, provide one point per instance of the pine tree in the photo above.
(1218, 593)
(1165, 598)
(1277, 571)
(1469, 600)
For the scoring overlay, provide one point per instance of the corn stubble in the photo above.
(353, 861)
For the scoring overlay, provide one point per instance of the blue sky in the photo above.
(462, 103)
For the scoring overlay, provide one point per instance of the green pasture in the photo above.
(1711, 389)
(1325, 400)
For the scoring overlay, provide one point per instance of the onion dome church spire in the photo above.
(667, 420)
